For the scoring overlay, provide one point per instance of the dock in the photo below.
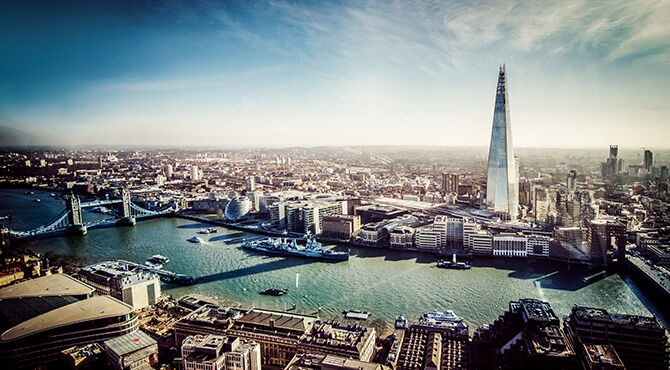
(165, 275)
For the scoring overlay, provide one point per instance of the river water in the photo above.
(385, 283)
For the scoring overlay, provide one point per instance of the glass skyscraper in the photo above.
(501, 183)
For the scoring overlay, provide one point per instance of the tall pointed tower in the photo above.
(502, 193)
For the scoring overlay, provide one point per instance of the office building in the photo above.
(251, 184)
(648, 160)
(604, 236)
(195, 173)
(640, 341)
(509, 245)
(48, 325)
(132, 351)
(310, 361)
(281, 335)
(402, 238)
(537, 245)
(571, 180)
(237, 207)
(501, 182)
(612, 166)
(449, 183)
(169, 172)
(341, 227)
(120, 280)
(527, 336)
(376, 213)
(220, 352)
(425, 347)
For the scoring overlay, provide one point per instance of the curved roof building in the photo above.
(237, 208)
(48, 286)
(35, 328)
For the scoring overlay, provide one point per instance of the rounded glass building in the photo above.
(237, 208)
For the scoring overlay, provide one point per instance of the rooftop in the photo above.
(278, 319)
(602, 353)
(314, 361)
(129, 343)
(50, 285)
(14, 311)
(600, 314)
(98, 307)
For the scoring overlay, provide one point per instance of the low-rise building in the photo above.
(310, 361)
(640, 341)
(137, 288)
(220, 352)
(132, 351)
(342, 227)
(509, 245)
(281, 335)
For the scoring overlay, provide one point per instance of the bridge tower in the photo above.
(126, 211)
(75, 221)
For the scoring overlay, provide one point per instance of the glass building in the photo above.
(501, 183)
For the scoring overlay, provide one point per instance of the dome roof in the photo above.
(237, 208)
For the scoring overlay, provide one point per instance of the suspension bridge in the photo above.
(70, 220)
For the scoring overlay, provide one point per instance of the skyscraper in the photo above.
(501, 182)
(648, 160)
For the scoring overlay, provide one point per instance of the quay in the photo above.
(166, 276)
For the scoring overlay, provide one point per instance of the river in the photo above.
(385, 283)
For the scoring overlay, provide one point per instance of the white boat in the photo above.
(356, 314)
(400, 323)
(440, 319)
(195, 239)
(159, 259)
(208, 230)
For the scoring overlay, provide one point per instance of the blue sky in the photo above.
(289, 73)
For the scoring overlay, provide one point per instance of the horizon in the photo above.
(279, 74)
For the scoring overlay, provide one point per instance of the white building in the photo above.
(220, 352)
(402, 238)
(195, 173)
(509, 245)
(429, 238)
(481, 242)
(136, 288)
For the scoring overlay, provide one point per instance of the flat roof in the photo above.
(50, 285)
(283, 320)
(129, 343)
(98, 307)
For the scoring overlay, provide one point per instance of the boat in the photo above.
(290, 247)
(400, 323)
(208, 230)
(153, 265)
(453, 264)
(440, 319)
(356, 314)
(53, 195)
(37, 200)
(159, 259)
(195, 239)
(274, 292)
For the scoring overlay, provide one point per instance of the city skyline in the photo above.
(293, 74)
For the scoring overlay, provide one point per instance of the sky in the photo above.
(278, 73)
